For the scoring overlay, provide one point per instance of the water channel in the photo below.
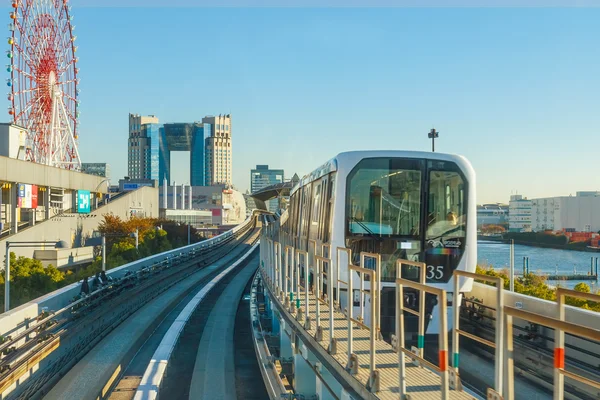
(542, 261)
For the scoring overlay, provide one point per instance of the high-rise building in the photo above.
(142, 152)
(261, 177)
(209, 144)
(217, 131)
(183, 137)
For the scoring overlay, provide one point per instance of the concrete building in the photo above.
(143, 146)
(218, 149)
(127, 185)
(12, 141)
(98, 169)
(579, 213)
(225, 205)
(519, 214)
(250, 204)
(209, 144)
(261, 177)
(492, 214)
(43, 203)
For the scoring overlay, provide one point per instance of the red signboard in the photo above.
(216, 212)
(34, 196)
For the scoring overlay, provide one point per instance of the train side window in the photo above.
(329, 209)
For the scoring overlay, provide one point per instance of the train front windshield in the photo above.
(410, 209)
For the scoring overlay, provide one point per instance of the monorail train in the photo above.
(417, 206)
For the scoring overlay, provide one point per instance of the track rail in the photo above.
(151, 380)
(61, 339)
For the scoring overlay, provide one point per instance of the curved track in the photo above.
(63, 338)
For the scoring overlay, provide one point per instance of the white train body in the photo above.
(418, 206)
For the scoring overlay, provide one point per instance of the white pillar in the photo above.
(165, 193)
(190, 197)
(13, 203)
(183, 196)
(174, 196)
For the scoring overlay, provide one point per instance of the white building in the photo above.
(492, 214)
(217, 150)
(579, 213)
(519, 214)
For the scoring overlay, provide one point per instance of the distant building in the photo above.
(217, 131)
(98, 169)
(250, 204)
(579, 213)
(225, 205)
(492, 214)
(519, 214)
(12, 141)
(127, 185)
(209, 143)
(261, 177)
(142, 148)
(183, 136)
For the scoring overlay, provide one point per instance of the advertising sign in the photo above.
(28, 195)
(83, 201)
(134, 186)
(34, 196)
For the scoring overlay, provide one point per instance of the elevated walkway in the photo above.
(353, 347)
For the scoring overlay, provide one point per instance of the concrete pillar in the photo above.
(47, 203)
(165, 193)
(14, 209)
(183, 197)
(285, 344)
(276, 324)
(190, 197)
(174, 196)
(322, 390)
(305, 380)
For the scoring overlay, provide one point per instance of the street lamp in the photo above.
(60, 244)
(433, 134)
(133, 235)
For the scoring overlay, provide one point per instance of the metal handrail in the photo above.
(559, 342)
(499, 329)
(374, 289)
(442, 367)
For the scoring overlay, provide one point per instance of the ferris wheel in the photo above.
(43, 81)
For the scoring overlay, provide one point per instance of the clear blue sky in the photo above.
(514, 90)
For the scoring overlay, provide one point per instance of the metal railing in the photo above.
(560, 326)
(497, 345)
(373, 383)
(442, 367)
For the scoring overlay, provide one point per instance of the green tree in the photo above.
(582, 287)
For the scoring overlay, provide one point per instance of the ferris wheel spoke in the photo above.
(44, 44)
(27, 59)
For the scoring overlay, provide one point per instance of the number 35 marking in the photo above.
(436, 273)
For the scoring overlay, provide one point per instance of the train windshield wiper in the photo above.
(369, 232)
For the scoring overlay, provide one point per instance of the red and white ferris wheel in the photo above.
(43, 80)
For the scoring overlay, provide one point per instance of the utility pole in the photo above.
(433, 134)
(103, 253)
(189, 237)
